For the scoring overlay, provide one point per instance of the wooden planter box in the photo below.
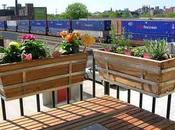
(155, 78)
(28, 78)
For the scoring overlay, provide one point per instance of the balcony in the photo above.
(104, 110)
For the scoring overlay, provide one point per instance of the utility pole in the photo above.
(16, 9)
(4, 6)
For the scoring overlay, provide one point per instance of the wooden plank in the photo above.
(146, 122)
(147, 75)
(159, 125)
(33, 63)
(111, 113)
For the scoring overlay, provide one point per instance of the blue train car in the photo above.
(91, 25)
(38, 26)
(23, 26)
(141, 37)
(161, 27)
(56, 26)
(2, 25)
(11, 25)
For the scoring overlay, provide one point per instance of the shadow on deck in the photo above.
(106, 111)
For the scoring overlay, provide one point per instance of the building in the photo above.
(6, 14)
(23, 12)
(170, 10)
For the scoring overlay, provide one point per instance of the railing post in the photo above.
(68, 95)
(53, 99)
(3, 109)
(38, 103)
(153, 105)
(21, 106)
(141, 100)
(118, 92)
(106, 88)
(129, 95)
(168, 106)
(94, 78)
(81, 92)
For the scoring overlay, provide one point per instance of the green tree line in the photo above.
(79, 10)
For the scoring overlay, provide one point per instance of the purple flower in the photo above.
(28, 37)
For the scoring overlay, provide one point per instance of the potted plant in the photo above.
(30, 67)
(149, 69)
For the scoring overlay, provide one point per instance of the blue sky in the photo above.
(92, 5)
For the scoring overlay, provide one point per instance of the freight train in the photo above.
(134, 29)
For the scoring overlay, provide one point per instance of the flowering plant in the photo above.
(29, 49)
(71, 42)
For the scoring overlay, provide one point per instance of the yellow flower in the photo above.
(13, 43)
(87, 40)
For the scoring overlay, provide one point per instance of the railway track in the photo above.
(50, 40)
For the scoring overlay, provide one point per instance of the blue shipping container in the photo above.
(140, 36)
(23, 23)
(38, 23)
(91, 25)
(60, 24)
(57, 26)
(38, 30)
(38, 26)
(23, 26)
(2, 25)
(149, 27)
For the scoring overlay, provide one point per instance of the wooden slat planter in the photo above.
(28, 78)
(156, 78)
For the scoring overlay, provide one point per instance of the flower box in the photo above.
(155, 78)
(33, 77)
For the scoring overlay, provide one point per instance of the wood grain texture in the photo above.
(107, 111)
(29, 78)
(155, 78)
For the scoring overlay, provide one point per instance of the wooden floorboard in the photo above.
(107, 111)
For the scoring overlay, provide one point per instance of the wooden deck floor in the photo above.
(107, 111)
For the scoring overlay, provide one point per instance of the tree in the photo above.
(76, 11)
(126, 14)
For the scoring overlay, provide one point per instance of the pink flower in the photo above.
(28, 37)
(106, 49)
(127, 52)
(27, 57)
(146, 56)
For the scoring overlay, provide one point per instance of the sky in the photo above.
(58, 6)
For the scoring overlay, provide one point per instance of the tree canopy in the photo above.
(76, 11)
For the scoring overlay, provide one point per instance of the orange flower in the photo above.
(63, 34)
(87, 40)
(69, 38)
(76, 35)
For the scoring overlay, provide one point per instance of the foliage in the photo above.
(122, 44)
(157, 49)
(126, 14)
(76, 11)
(38, 49)
(113, 40)
(138, 51)
(71, 42)
(29, 49)
(10, 54)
